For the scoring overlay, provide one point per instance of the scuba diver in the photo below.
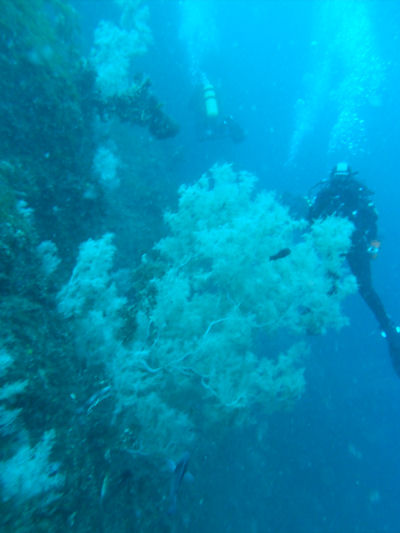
(212, 125)
(345, 196)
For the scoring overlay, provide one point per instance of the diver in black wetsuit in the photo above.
(345, 196)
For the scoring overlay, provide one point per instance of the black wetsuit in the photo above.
(347, 197)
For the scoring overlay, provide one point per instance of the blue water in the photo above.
(312, 83)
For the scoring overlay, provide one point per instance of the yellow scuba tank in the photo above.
(210, 100)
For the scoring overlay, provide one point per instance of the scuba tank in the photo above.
(210, 99)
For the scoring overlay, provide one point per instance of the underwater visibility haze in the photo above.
(199, 272)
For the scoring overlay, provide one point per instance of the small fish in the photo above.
(104, 487)
(96, 398)
(178, 474)
(282, 253)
